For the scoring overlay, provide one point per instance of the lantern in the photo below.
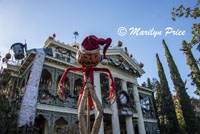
(18, 49)
(8, 56)
(119, 43)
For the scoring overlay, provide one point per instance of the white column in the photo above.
(115, 118)
(46, 127)
(141, 127)
(98, 92)
(129, 121)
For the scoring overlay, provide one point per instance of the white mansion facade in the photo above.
(132, 113)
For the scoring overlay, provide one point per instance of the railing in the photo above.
(45, 97)
(115, 47)
(66, 59)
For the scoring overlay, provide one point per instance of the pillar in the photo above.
(129, 121)
(98, 92)
(51, 129)
(141, 127)
(46, 127)
(115, 118)
(51, 124)
(72, 83)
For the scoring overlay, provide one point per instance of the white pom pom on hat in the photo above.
(104, 62)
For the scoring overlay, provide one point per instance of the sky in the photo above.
(35, 20)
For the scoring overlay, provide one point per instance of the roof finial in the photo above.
(75, 35)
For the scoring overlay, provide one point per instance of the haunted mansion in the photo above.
(37, 75)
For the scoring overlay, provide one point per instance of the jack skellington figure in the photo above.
(88, 57)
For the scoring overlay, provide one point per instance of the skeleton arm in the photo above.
(60, 88)
(112, 84)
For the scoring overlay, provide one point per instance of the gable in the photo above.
(119, 58)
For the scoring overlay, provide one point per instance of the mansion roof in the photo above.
(63, 55)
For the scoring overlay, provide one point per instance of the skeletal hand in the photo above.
(60, 91)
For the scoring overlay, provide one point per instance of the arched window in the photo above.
(104, 81)
(59, 125)
(77, 86)
(41, 124)
(46, 79)
(118, 84)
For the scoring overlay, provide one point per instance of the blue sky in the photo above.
(34, 21)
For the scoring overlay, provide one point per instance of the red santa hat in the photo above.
(90, 45)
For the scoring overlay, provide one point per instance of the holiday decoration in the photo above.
(123, 65)
(124, 102)
(28, 104)
(54, 35)
(4, 59)
(120, 59)
(8, 56)
(123, 98)
(119, 43)
(88, 58)
(141, 65)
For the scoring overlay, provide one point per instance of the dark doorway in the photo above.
(136, 129)
(40, 125)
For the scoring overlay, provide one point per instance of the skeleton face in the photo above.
(88, 60)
